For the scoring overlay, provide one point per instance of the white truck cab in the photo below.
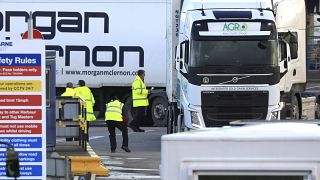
(270, 151)
(227, 62)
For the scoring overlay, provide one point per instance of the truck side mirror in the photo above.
(181, 64)
(292, 39)
(12, 163)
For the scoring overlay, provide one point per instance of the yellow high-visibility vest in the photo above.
(85, 93)
(69, 92)
(139, 93)
(114, 111)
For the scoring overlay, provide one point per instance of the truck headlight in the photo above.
(195, 119)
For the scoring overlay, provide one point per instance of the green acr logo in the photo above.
(235, 27)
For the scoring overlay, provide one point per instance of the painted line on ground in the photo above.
(129, 176)
(91, 151)
(116, 168)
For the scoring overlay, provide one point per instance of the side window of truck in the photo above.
(186, 57)
(283, 50)
(294, 45)
(184, 54)
(292, 39)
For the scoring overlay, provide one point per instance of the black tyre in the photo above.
(294, 109)
(283, 113)
(158, 112)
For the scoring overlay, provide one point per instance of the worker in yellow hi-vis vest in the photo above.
(69, 90)
(85, 93)
(140, 101)
(113, 117)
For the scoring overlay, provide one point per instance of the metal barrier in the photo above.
(71, 119)
(58, 167)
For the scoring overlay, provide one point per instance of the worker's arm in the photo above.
(92, 99)
(137, 87)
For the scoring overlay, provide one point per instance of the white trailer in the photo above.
(103, 42)
(274, 151)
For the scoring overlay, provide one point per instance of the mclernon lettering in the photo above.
(91, 56)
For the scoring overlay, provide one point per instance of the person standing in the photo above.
(69, 90)
(140, 101)
(85, 93)
(113, 117)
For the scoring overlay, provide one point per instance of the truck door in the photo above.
(288, 59)
(284, 56)
(181, 66)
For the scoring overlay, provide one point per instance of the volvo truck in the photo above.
(240, 60)
(227, 64)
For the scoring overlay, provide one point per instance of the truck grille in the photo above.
(221, 107)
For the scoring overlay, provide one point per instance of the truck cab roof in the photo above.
(226, 4)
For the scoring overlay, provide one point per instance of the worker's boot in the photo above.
(125, 148)
(134, 128)
(140, 130)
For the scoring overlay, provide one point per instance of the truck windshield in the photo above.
(233, 53)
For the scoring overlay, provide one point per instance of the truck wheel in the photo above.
(294, 111)
(158, 112)
(283, 114)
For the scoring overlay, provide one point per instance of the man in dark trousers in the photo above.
(140, 101)
(113, 117)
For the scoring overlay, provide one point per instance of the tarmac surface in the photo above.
(141, 163)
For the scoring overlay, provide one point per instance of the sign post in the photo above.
(23, 106)
(35, 34)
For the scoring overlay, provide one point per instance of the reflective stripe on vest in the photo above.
(85, 93)
(69, 92)
(139, 93)
(114, 111)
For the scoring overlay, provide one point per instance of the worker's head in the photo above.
(81, 83)
(69, 85)
(141, 74)
(114, 97)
